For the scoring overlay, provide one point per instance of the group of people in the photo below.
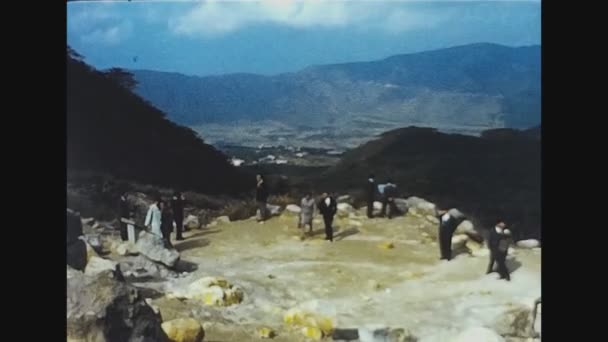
(327, 206)
(498, 243)
(160, 219)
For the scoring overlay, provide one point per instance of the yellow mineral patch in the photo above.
(387, 245)
(266, 332)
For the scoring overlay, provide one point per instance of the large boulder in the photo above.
(465, 227)
(99, 308)
(142, 268)
(345, 208)
(345, 199)
(126, 248)
(530, 243)
(184, 330)
(422, 206)
(76, 255)
(274, 210)
(401, 204)
(97, 265)
(292, 208)
(213, 291)
(478, 334)
(459, 242)
(192, 222)
(153, 247)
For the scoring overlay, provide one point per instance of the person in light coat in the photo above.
(154, 219)
(307, 212)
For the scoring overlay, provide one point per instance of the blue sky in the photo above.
(274, 36)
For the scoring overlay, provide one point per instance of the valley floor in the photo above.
(354, 280)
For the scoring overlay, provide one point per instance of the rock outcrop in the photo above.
(99, 308)
(153, 248)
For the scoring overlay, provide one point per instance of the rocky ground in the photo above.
(380, 280)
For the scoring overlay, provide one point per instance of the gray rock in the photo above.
(401, 204)
(99, 308)
(74, 227)
(530, 243)
(192, 222)
(292, 208)
(517, 322)
(97, 265)
(153, 247)
(345, 208)
(423, 206)
(344, 199)
(274, 210)
(76, 255)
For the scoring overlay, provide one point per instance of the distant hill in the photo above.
(113, 131)
(479, 85)
(489, 177)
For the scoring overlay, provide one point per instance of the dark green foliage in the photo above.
(113, 131)
(487, 178)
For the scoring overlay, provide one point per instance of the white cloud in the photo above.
(99, 23)
(109, 36)
(214, 17)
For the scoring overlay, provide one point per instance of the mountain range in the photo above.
(477, 86)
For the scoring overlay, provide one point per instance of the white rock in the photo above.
(421, 204)
(126, 248)
(465, 227)
(273, 209)
(530, 243)
(478, 334)
(345, 207)
(459, 241)
(294, 209)
(98, 265)
(432, 219)
(192, 222)
(153, 248)
(401, 204)
(377, 205)
(223, 219)
(343, 199)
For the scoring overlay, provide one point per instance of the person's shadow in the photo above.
(345, 233)
(512, 264)
(194, 241)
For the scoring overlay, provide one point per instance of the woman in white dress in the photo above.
(307, 211)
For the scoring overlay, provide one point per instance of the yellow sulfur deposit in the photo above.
(184, 330)
(266, 332)
(387, 245)
(313, 333)
(312, 324)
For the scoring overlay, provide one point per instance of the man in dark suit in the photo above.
(447, 226)
(328, 208)
(499, 241)
(177, 206)
(370, 192)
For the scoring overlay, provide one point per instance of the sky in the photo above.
(275, 36)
